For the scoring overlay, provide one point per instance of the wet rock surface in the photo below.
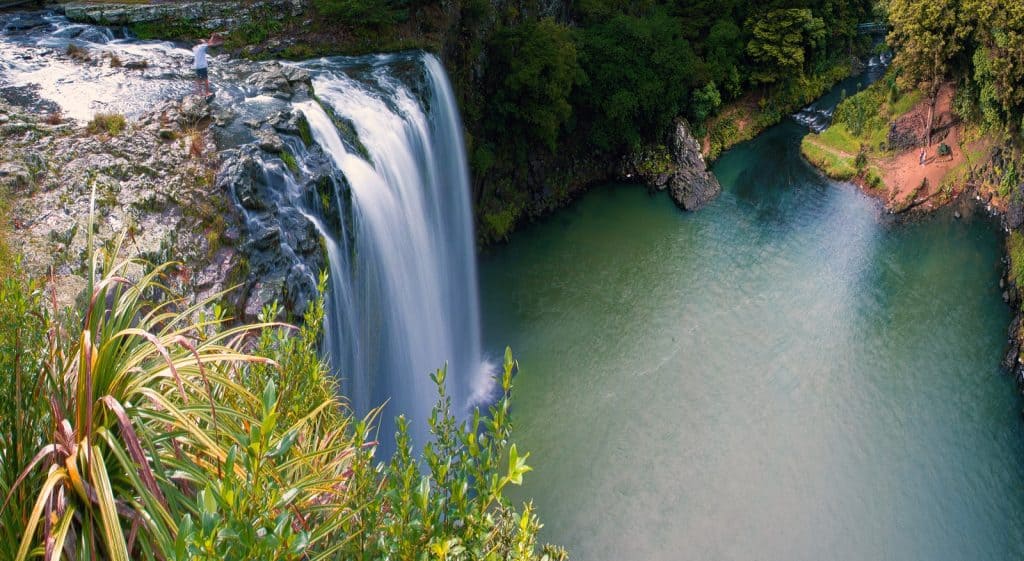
(281, 246)
(682, 170)
(204, 182)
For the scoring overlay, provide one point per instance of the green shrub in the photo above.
(108, 123)
(167, 440)
(498, 225)
(24, 414)
(1015, 251)
(363, 12)
(861, 160)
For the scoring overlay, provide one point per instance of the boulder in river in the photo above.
(691, 185)
(681, 169)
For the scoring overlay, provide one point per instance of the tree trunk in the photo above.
(928, 131)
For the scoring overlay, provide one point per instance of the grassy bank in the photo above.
(852, 148)
(749, 116)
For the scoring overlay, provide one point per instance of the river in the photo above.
(787, 374)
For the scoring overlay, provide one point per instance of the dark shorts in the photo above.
(201, 73)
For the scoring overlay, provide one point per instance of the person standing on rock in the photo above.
(199, 63)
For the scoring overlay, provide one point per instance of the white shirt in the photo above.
(199, 54)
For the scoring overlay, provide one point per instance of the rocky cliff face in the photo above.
(149, 180)
(190, 181)
(682, 170)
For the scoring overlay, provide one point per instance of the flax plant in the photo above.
(112, 419)
(146, 427)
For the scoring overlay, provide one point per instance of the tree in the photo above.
(927, 35)
(705, 101)
(722, 55)
(532, 72)
(782, 39)
(640, 71)
(998, 67)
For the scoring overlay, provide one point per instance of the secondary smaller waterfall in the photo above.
(818, 115)
(403, 292)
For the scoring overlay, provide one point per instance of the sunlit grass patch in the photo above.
(838, 137)
(829, 161)
(108, 123)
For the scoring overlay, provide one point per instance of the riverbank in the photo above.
(875, 142)
(753, 113)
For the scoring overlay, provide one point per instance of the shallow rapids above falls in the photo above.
(351, 165)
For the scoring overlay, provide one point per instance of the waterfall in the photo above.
(403, 297)
(397, 229)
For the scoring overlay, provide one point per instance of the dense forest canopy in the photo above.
(604, 78)
(626, 69)
(548, 87)
(977, 43)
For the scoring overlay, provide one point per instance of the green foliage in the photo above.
(859, 111)
(165, 440)
(726, 132)
(926, 35)
(705, 101)
(1009, 180)
(979, 42)
(838, 136)
(1015, 251)
(109, 123)
(254, 31)
(289, 160)
(834, 164)
(374, 13)
(24, 415)
(169, 29)
(861, 161)
(499, 224)
(655, 160)
(782, 40)
(533, 70)
(640, 74)
(450, 505)
(643, 64)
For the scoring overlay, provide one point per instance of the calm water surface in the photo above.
(782, 376)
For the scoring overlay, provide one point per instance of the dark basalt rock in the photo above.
(1014, 216)
(683, 171)
(691, 185)
(282, 246)
(905, 133)
(26, 22)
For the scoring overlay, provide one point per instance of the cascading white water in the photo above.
(403, 292)
(403, 298)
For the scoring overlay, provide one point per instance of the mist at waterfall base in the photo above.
(403, 292)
